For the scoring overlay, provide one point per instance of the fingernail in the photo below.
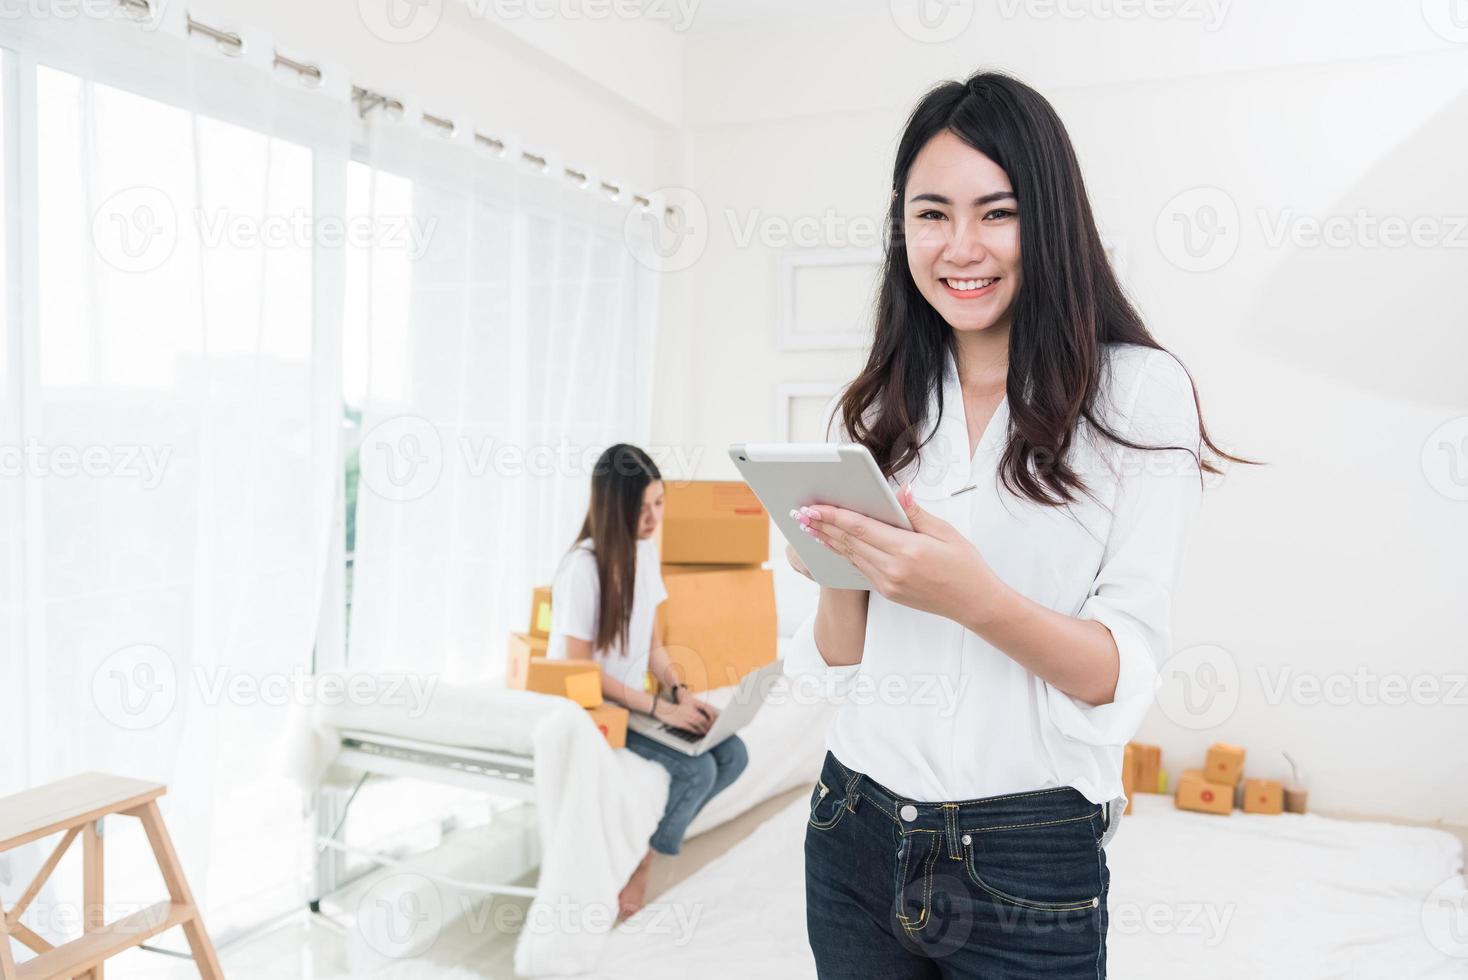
(807, 530)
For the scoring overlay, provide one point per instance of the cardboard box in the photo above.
(1225, 764)
(540, 611)
(1149, 768)
(523, 647)
(717, 625)
(584, 688)
(1263, 796)
(1196, 793)
(708, 522)
(1129, 774)
(611, 720)
(579, 680)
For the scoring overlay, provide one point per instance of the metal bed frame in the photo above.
(498, 773)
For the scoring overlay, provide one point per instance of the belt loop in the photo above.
(950, 828)
(852, 793)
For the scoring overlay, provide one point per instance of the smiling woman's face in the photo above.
(962, 230)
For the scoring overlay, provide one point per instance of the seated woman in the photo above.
(603, 600)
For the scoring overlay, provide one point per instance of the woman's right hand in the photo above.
(685, 715)
(794, 558)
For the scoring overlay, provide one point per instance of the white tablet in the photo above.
(789, 475)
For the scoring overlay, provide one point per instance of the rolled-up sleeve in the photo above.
(805, 665)
(1159, 494)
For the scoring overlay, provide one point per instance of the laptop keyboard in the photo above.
(685, 734)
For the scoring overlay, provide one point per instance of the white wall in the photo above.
(510, 77)
(1336, 364)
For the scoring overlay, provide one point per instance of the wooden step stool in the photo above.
(77, 806)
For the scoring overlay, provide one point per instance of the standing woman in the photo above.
(1048, 451)
(603, 604)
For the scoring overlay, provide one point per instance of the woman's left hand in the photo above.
(933, 567)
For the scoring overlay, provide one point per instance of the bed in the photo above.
(595, 807)
(1192, 895)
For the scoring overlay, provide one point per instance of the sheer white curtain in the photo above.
(493, 350)
(171, 427)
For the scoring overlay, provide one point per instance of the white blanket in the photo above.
(596, 807)
(1192, 895)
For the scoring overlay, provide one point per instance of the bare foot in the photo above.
(632, 894)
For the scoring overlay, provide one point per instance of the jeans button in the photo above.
(967, 839)
(908, 812)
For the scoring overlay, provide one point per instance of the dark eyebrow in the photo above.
(978, 201)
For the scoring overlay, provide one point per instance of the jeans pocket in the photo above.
(1049, 867)
(827, 805)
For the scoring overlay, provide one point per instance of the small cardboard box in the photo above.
(1225, 764)
(523, 648)
(1149, 768)
(1129, 774)
(540, 611)
(579, 680)
(584, 688)
(1263, 796)
(611, 720)
(710, 522)
(717, 625)
(1196, 793)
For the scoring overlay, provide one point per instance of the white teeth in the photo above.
(971, 284)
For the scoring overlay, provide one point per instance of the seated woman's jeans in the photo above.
(1006, 886)
(696, 779)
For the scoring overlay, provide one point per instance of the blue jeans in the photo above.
(696, 779)
(1005, 888)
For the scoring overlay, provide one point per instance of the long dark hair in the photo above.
(1069, 302)
(618, 480)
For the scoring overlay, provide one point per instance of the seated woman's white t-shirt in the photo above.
(576, 596)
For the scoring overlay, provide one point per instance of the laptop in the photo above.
(740, 711)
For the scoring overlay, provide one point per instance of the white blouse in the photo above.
(576, 597)
(933, 711)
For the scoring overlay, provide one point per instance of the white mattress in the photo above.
(1192, 895)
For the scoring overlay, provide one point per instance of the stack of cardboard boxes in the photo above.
(1218, 787)
(718, 623)
(527, 669)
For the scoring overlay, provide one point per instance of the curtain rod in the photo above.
(368, 100)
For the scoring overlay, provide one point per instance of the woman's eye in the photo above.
(999, 214)
(930, 215)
